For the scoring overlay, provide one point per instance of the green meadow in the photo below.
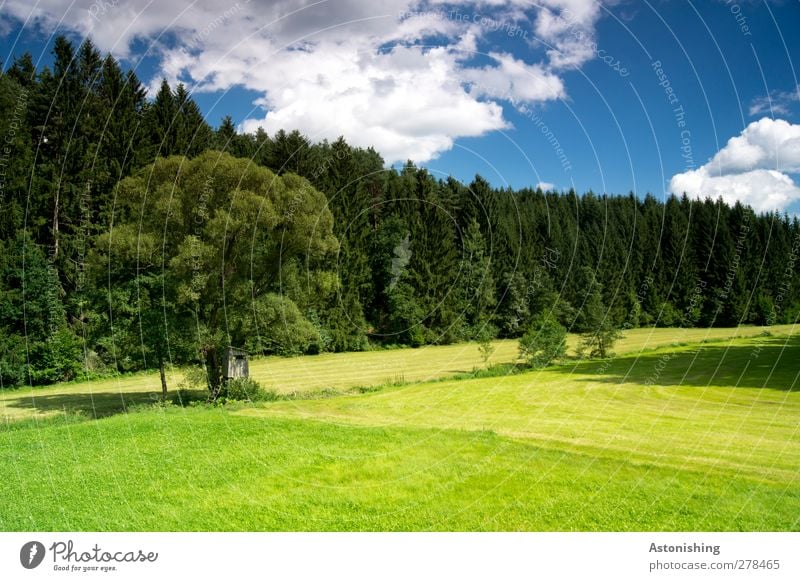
(681, 430)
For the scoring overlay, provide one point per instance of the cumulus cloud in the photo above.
(766, 143)
(765, 190)
(752, 168)
(395, 74)
(401, 102)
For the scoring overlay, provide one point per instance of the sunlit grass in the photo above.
(333, 371)
(702, 436)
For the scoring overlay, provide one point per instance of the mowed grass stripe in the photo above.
(336, 371)
(617, 409)
(205, 469)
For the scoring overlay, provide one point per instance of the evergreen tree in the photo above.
(599, 331)
(37, 343)
(544, 342)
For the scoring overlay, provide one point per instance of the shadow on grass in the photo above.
(770, 362)
(90, 405)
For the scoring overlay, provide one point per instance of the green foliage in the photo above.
(407, 315)
(668, 316)
(514, 312)
(584, 451)
(39, 347)
(599, 331)
(56, 359)
(203, 242)
(544, 342)
(485, 336)
(278, 327)
(246, 389)
(193, 386)
(478, 285)
(497, 370)
(600, 342)
(222, 253)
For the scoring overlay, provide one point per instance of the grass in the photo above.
(331, 373)
(709, 408)
(690, 436)
(208, 470)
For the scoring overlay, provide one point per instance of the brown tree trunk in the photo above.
(213, 371)
(163, 374)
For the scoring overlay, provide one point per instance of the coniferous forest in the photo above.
(136, 236)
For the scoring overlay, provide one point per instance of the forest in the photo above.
(134, 235)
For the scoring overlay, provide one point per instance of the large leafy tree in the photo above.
(206, 240)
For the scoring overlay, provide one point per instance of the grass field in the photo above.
(688, 436)
(333, 371)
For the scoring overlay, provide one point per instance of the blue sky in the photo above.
(644, 96)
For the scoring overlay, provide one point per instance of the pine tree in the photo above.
(162, 122)
(599, 331)
(192, 134)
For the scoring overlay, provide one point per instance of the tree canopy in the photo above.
(135, 235)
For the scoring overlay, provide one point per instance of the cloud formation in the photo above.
(400, 75)
(775, 103)
(752, 168)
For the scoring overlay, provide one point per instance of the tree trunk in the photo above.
(163, 374)
(56, 208)
(213, 372)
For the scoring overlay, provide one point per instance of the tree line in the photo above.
(134, 235)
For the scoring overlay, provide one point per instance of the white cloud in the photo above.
(394, 74)
(766, 144)
(765, 190)
(567, 26)
(515, 81)
(775, 103)
(751, 168)
(407, 103)
(546, 186)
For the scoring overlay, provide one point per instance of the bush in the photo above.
(246, 389)
(57, 359)
(485, 336)
(668, 316)
(193, 387)
(544, 342)
(498, 370)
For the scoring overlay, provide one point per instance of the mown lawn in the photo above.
(210, 470)
(694, 437)
(334, 371)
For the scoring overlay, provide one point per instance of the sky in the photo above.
(648, 96)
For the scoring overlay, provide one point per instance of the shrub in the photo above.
(57, 359)
(247, 389)
(544, 342)
(484, 336)
(498, 370)
(668, 316)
